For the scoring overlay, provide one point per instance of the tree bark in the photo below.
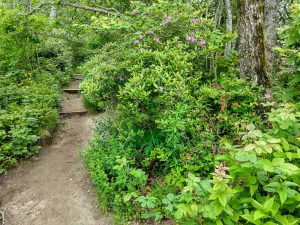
(252, 47)
(271, 19)
(53, 12)
(218, 14)
(228, 25)
(29, 4)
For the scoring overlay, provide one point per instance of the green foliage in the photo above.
(33, 67)
(136, 39)
(27, 111)
(288, 80)
(172, 111)
(259, 185)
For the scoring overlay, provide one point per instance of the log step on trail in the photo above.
(72, 102)
(67, 114)
(77, 77)
(71, 90)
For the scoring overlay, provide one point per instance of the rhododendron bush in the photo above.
(176, 100)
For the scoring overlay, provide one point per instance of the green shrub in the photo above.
(136, 35)
(256, 183)
(172, 111)
(288, 79)
(26, 112)
(33, 67)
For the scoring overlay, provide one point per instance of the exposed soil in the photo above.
(53, 187)
(72, 103)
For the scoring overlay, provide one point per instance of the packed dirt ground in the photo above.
(53, 187)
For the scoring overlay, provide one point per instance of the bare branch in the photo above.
(76, 6)
(93, 9)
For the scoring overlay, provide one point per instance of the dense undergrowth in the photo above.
(184, 138)
(33, 67)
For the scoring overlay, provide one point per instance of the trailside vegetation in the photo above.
(33, 67)
(201, 102)
(185, 139)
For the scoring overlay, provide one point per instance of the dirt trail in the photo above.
(53, 187)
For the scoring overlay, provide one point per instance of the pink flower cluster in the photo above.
(202, 43)
(195, 20)
(193, 39)
(156, 40)
(141, 37)
(167, 20)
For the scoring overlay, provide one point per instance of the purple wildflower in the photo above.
(202, 43)
(168, 19)
(193, 39)
(156, 40)
(195, 20)
(141, 37)
(136, 42)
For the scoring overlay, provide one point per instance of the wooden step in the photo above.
(80, 113)
(77, 77)
(72, 90)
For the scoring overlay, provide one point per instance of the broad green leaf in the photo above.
(259, 214)
(223, 200)
(285, 144)
(283, 195)
(274, 141)
(250, 147)
(250, 127)
(269, 204)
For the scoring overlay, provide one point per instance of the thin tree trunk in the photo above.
(53, 12)
(271, 19)
(218, 15)
(29, 4)
(252, 47)
(228, 25)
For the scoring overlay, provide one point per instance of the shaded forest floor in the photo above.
(53, 187)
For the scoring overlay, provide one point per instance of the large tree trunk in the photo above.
(252, 47)
(271, 19)
(228, 25)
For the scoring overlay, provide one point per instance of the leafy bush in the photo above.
(172, 111)
(288, 79)
(259, 184)
(139, 35)
(32, 70)
(27, 111)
